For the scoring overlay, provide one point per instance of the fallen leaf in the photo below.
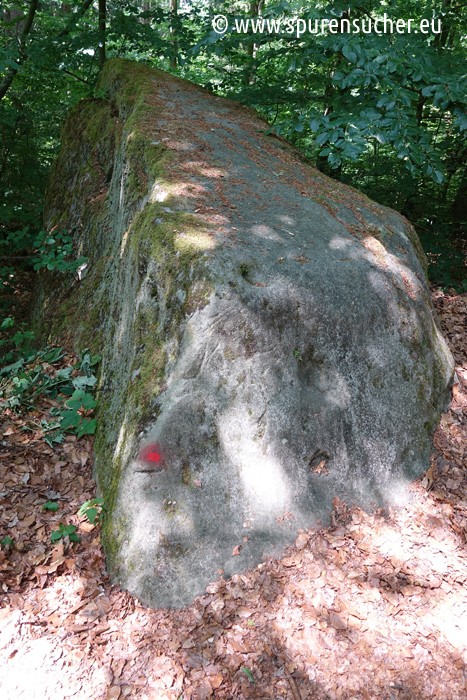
(301, 541)
(337, 621)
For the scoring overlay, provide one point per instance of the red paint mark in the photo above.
(151, 454)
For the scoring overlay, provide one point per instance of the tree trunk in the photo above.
(146, 7)
(459, 205)
(256, 7)
(75, 17)
(11, 72)
(173, 61)
(101, 32)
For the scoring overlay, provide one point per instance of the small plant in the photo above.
(53, 251)
(248, 674)
(92, 509)
(297, 354)
(51, 506)
(6, 542)
(32, 374)
(64, 531)
(17, 344)
(75, 414)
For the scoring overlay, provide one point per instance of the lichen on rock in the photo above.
(268, 329)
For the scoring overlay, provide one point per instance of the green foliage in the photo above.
(72, 415)
(92, 509)
(51, 506)
(65, 531)
(384, 112)
(248, 674)
(40, 250)
(53, 252)
(16, 346)
(31, 374)
(446, 261)
(390, 89)
(6, 542)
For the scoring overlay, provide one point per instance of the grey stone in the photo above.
(275, 345)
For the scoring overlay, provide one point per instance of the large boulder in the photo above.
(267, 334)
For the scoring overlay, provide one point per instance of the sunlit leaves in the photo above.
(387, 87)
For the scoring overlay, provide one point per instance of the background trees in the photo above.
(385, 113)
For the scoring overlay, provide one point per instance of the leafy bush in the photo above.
(31, 374)
(54, 252)
(41, 250)
(65, 531)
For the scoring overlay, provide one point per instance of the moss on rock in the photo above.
(104, 189)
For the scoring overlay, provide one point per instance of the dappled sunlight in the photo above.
(31, 667)
(29, 673)
(376, 590)
(432, 557)
(195, 240)
(392, 544)
(124, 242)
(339, 243)
(201, 167)
(158, 193)
(294, 255)
(121, 195)
(449, 618)
(286, 219)
(122, 446)
(263, 481)
(262, 478)
(370, 248)
(335, 388)
(124, 325)
(266, 232)
(188, 190)
(180, 145)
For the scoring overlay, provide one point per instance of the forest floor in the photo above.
(372, 607)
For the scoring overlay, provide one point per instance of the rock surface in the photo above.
(267, 334)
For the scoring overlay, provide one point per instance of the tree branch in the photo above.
(75, 17)
(33, 5)
(11, 72)
(102, 15)
(73, 75)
